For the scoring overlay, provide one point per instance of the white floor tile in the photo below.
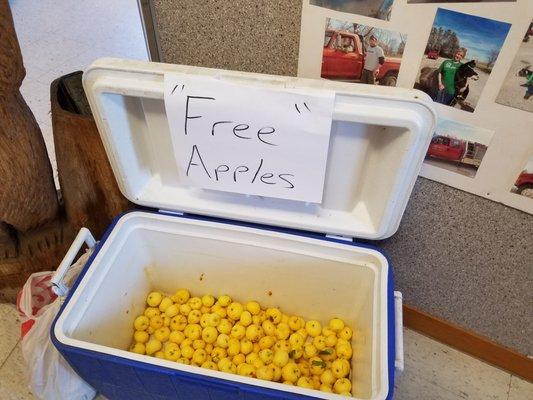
(520, 389)
(13, 384)
(32, 41)
(452, 370)
(9, 330)
(410, 386)
(29, 24)
(50, 53)
(46, 129)
(33, 72)
(37, 97)
(78, 63)
(118, 23)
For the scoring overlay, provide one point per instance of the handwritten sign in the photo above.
(248, 139)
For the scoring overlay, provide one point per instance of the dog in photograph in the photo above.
(429, 82)
(464, 73)
(525, 72)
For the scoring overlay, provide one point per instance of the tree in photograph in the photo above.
(446, 42)
(449, 43)
(435, 39)
(401, 46)
(493, 55)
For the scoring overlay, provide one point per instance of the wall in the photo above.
(456, 255)
(258, 36)
(467, 260)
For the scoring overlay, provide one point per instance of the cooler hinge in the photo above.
(340, 237)
(170, 212)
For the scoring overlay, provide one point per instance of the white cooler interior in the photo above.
(316, 281)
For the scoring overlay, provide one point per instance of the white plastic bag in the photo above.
(50, 377)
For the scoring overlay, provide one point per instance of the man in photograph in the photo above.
(446, 77)
(375, 57)
(347, 45)
(529, 85)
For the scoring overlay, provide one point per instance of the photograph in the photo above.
(524, 183)
(380, 9)
(458, 147)
(458, 1)
(459, 56)
(362, 54)
(517, 89)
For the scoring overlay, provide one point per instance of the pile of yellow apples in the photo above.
(245, 339)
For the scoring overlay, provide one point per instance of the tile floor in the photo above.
(62, 36)
(433, 371)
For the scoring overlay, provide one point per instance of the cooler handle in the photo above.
(83, 236)
(398, 302)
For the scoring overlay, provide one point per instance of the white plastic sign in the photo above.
(248, 139)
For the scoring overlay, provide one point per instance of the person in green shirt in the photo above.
(446, 76)
(529, 84)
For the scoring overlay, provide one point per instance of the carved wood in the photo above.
(27, 192)
(35, 232)
(32, 231)
(90, 191)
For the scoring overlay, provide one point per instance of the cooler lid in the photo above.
(378, 140)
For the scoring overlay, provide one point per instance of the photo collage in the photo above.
(461, 52)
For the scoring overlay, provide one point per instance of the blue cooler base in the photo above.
(119, 378)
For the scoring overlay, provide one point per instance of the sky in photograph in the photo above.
(455, 129)
(479, 35)
(344, 25)
(529, 165)
(351, 6)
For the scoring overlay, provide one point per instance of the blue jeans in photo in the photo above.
(443, 97)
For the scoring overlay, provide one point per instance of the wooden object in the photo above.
(90, 192)
(32, 233)
(39, 250)
(8, 244)
(27, 192)
(468, 342)
(35, 232)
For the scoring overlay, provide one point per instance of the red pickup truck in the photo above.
(337, 63)
(458, 150)
(433, 54)
(524, 184)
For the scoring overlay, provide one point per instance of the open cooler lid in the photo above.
(378, 140)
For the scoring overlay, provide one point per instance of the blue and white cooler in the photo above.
(301, 256)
